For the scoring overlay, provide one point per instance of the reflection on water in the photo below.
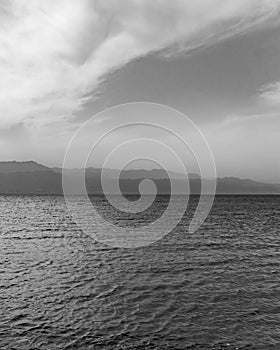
(218, 288)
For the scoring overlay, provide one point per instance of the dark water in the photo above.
(218, 288)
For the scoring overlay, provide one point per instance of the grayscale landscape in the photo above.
(139, 175)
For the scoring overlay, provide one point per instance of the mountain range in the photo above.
(29, 177)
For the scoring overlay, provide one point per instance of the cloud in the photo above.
(270, 93)
(246, 146)
(54, 53)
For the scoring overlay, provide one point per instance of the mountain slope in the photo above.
(21, 167)
(28, 178)
(33, 178)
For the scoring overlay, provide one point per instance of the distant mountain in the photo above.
(21, 167)
(131, 174)
(33, 178)
(234, 185)
(28, 178)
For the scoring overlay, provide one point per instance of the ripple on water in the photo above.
(215, 289)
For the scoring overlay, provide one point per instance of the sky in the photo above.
(216, 61)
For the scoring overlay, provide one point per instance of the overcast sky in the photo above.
(217, 61)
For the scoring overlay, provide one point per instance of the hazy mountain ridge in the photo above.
(21, 167)
(132, 174)
(33, 178)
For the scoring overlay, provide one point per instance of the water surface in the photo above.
(218, 288)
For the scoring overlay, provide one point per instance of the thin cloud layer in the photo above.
(54, 53)
(271, 94)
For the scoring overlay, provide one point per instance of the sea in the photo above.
(216, 288)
